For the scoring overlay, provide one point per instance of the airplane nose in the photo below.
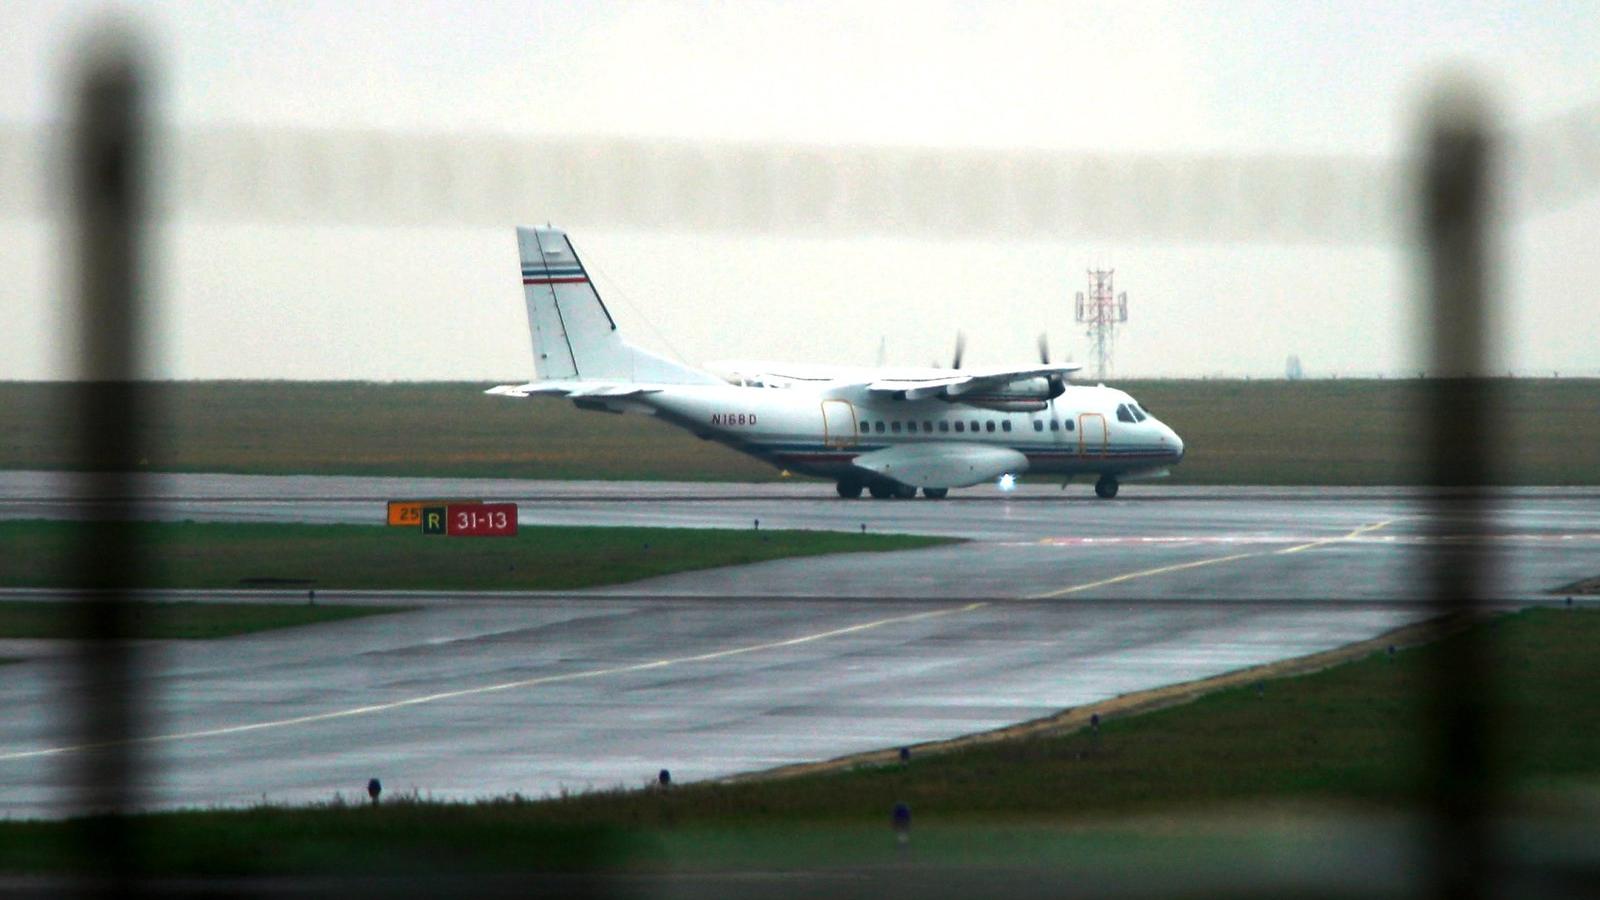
(1175, 441)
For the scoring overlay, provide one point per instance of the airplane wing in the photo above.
(575, 390)
(966, 381)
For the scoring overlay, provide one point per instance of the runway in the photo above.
(1059, 599)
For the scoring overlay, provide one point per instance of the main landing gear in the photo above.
(883, 489)
(1106, 487)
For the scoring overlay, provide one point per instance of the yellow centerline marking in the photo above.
(1212, 561)
(1334, 540)
(374, 708)
(1146, 573)
(489, 688)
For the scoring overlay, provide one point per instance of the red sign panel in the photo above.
(481, 519)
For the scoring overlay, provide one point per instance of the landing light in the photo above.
(1007, 482)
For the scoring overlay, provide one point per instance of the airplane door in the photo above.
(838, 423)
(1091, 434)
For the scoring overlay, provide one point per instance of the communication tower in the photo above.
(1102, 310)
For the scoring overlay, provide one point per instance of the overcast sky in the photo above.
(325, 301)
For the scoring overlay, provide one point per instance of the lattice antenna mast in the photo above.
(1102, 310)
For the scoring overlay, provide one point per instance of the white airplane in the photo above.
(889, 432)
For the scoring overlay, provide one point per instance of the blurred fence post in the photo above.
(108, 203)
(1455, 238)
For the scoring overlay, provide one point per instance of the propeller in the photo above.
(1058, 381)
(961, 348)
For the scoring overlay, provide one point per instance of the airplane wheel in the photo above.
(849, 488)
(1106, 487)
(880, 490)
(905, 491)
(935, 493)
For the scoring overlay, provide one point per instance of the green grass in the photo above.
(359, 428)
(1349, 738)
(1367, 432)
(228, 555)
(1237, 432)
(182, 621)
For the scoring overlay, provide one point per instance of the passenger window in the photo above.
(866, 425)
(1038, 424)
(1071, 425)
(1005, 424)
(878, 426)
(943, 425)
(927, 427)
(974, 425)
(895, 426)
(1054, 425)
(989, 425)
(960, 428)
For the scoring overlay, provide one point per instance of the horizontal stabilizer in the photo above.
(943, 465)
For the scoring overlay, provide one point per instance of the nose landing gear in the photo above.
(1106, 487)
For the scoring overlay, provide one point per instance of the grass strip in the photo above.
(37, 553)
(1346, 431)
(1352, 736)
(178, 621)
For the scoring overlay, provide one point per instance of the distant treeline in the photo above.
(1346, 432)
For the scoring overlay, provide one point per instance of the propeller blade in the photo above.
(1044, 349)
(961, 348)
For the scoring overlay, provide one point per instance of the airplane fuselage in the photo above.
(815, 430)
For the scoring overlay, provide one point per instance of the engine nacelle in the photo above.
(1023, 395)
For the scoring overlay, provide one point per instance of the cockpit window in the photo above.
(1138, 413)
(1124, 414)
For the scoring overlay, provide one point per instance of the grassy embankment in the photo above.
(178, 621)
(231, 555)
(1349, 738)
(1237, 432)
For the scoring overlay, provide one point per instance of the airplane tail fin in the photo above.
(574, 336)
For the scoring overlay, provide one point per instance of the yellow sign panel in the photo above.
(408, 513)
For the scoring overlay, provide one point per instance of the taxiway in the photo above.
(1055, 601)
